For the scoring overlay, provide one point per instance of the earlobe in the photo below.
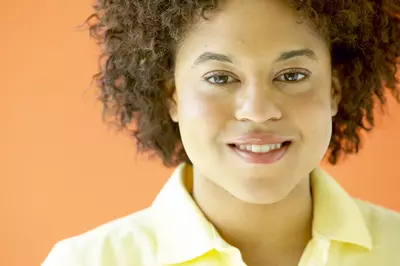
(173, 107)
(336, 94)
(172, 100)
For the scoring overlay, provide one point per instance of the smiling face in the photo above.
(253, 75)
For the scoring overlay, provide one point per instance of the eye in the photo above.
(219, 78)
(294, 75)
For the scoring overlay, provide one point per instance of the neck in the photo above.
(268, 231)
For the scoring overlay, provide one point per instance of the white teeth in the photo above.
(255, 148)
(259, 148)
(265, 148)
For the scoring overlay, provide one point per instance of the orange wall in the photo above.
(62, 172)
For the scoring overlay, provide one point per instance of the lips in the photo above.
(268, 157)
(260, 148)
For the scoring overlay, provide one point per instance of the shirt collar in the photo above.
(184, 233)
(336, 214)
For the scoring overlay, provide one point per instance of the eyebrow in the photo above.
(208, 56)
(296, 53)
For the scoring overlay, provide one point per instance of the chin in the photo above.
(261, 196)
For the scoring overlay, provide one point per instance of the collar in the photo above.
(336, 214)
(184, 233)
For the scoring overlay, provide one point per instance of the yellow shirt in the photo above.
(173, 231)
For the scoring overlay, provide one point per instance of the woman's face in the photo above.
(249, 77)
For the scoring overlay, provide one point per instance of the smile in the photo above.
(259, 148)
(261, 154)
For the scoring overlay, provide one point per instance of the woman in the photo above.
(246, 98)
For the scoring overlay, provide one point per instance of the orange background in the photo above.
(63, 172)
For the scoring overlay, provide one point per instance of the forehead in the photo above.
(252, 29)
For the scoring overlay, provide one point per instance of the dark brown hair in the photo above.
(139, 37)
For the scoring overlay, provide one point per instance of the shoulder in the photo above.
(379, 219)
(126, 241)
(384, 227)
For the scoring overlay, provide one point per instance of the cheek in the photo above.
(205, 109)
(313, 116)
(202, 119)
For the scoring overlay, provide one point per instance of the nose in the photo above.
(258, 104)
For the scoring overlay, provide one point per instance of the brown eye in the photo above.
(293, 76)
(219, 79)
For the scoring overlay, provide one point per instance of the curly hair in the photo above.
(139, 39)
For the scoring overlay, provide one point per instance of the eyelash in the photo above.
(214, 74)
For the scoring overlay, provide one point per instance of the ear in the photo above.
(336, 92)
(172, 99)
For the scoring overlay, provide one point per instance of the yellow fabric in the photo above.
(173, 231)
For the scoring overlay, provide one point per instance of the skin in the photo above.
(263, 210)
